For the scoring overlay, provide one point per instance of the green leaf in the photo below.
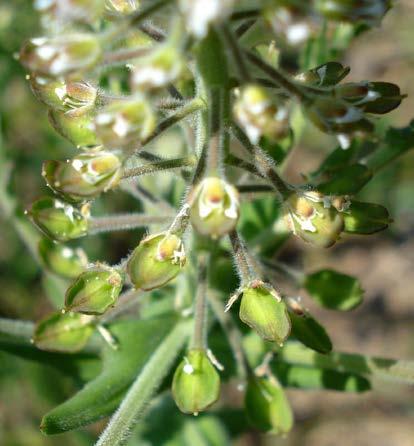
(397, 141)
(100, 397)
(366, 218)
(304, 377)
(334, 290)
(386, 369)
(307, 330)
(346, 180)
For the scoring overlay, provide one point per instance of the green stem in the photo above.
(200, 307)
(264, 164)
(236, 52)
(189, 161)
(233, 335)
(146, 11)
(278, 77)
(124, 55)
(254, 188)
(241, 258)
(188, 109)
(235, 161)
(124, 222)
(246, 14)
(144, 388)
(388, 369)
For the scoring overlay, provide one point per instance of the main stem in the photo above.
(124, 222)
(145, 386)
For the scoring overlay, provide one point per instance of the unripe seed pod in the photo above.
(83, 177)
(372, 97)
(196, 383)
(78, 129)
(121, 7)
(157, 260)
(61, 55)
(325, 75)
(68, 332)
(263, 310)
(163, 66)
(58, 220)
(94, 291)
(259, 116)
(62, 260)
(214, 207)
(332, 115)
(199, 14)
(370, 12)
(267, 407)
(125, 122)
(315, 218)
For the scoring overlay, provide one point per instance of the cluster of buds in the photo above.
(112, 84)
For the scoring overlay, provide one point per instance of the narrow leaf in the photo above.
(310, 332)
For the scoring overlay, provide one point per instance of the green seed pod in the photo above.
(121, 7)
(267, 407)
(61, 55)
(62, 260)
(263, 310)
(94, 291)
(78, 129)
(258, 115)
(325, 75)
(196, 383)
(163, 66)
(66, 333)
(198, 17)
(157, 260)
(332, 115)
(125, 122)
(315, 218)
(58, 220)
(83, 177)
(371, 97)
(370, 12)
(214, 207)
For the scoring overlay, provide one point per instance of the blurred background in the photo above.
(382, 326)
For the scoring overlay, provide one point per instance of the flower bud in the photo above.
(163, 66)
(196, 383)
(214, 207)
(199, 14)
(371, 97)
(62, 260)
(121, 7)
(66, 333)
(258, 116)
(370, 12)
(156, 261)
(58, 220)
(332, 115)
(64, 11)
(315, 218)
(78, 129)
(61, 55)
(267, 407)
(83, 177)
(263, 310)
(94, 291)
(125, 122)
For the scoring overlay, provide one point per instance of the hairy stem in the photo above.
(200, 306)
(236, 53)
(188, 109)
(241, 259)
(169, 164)
(278, 77)
(124, 222)
(145, 386)
(233, 335)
